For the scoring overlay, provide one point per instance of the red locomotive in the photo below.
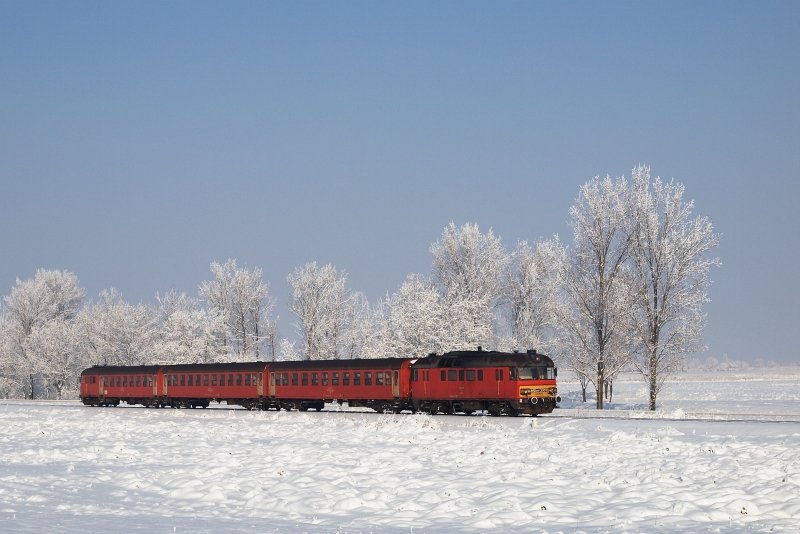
(464, 381)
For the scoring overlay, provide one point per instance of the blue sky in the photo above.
(140, 141)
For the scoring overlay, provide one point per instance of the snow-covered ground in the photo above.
(68, 468)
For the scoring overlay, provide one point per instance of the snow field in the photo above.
(68, 468)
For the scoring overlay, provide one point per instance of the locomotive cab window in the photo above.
(451, 375)
(512, 373)
(528, 373)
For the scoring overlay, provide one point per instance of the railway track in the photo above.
(639, 415)
(559, 413)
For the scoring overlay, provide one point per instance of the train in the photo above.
(469, 381)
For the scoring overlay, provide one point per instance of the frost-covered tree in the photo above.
(114, 332)
(532, 293)
(188, 333)
(57, 344)
(324, 308)
(595, 312)
(413, 320)
(469, 266)
(33, 303)
(669, 255)
(360, 329)
(242, 299)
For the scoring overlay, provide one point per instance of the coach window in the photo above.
(335, 379)
(480, 375)
(304, 379)
(356, 379)
(183, 380)
(119, 381)
(205, 380)
(451, 375)
(230, 379)
(314, 379)
(189, 381)
(367, 379)
(138, 381)
(460, 375)
(324, 379)
(379, 378)
(213, 380)
(345, 379)
(238, 379)
(294, 379)
(247, 379)
(444, 376)
(125, 381)
(470, 376)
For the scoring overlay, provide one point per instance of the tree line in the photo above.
(628, 292)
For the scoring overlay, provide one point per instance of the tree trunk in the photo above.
(600, 382)
(653, 380)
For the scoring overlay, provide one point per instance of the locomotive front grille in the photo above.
(527, 392)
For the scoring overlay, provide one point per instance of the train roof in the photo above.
(121, 370)
(336, 365)
(482, 358)
(225, 367)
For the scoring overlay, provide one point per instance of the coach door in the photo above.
(260, 384)
(272, 379)
(396, 383)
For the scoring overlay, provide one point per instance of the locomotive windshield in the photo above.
(536, 373)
